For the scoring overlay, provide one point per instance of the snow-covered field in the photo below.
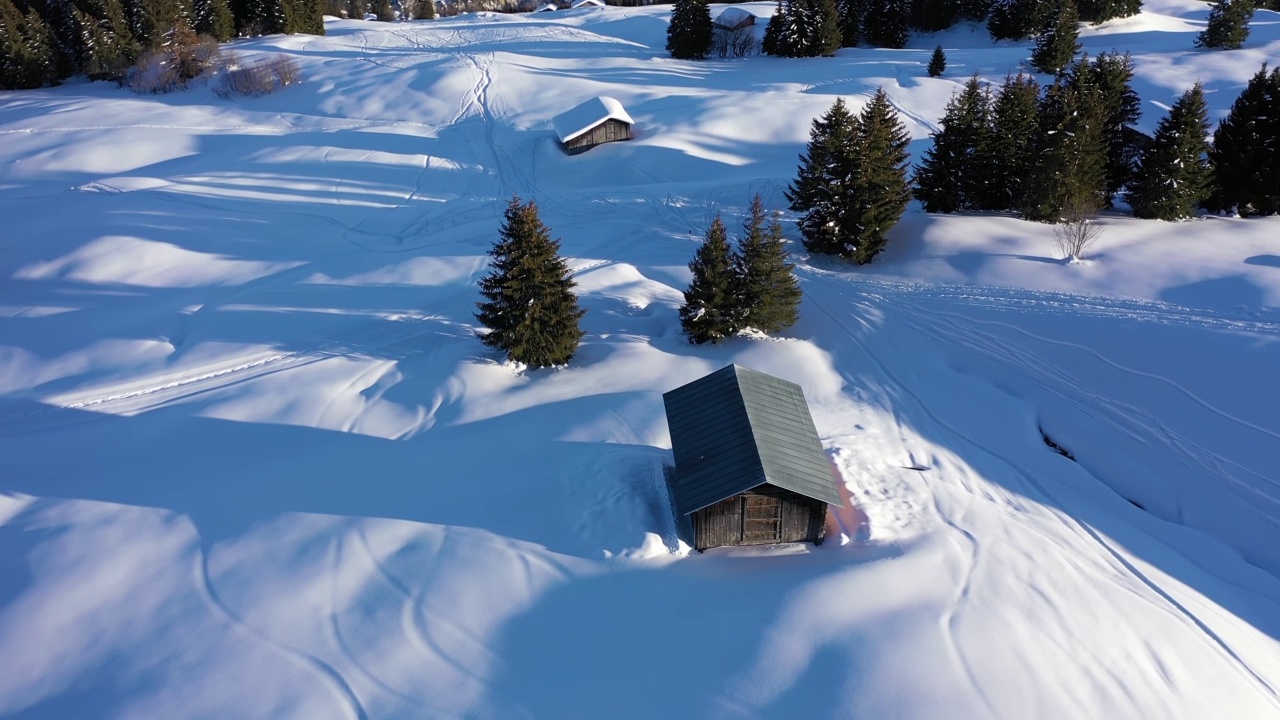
(255, 464)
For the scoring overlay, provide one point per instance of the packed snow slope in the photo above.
(254, 462)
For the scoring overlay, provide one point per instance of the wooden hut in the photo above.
(734, 18)
(588, 4)
(595, 122)
(750, 469)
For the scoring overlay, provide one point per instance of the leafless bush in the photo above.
(182, 57)
(260, 78)
(736, 43)
(1078, 229)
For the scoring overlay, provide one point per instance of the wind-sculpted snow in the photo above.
(255, 463)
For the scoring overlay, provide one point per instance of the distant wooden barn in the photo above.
(589, 4)
(750, 469)
(595, 122)
(734, 18)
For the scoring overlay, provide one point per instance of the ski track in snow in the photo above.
(1165, 599)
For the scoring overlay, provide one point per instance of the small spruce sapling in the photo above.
(937, 63)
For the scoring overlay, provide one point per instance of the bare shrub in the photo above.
(260, 78)
(736, 43)
(182, 57)
(1078, 229)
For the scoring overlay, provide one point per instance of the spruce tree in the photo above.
(933, 15)
(825, 28)
(427, 10)
(106, 47)
(1174, 174)
(1100, 11)
(1070, 171)
(937, 63)
(768, 295)
(803, 28)
(881, 189)
(852, 182)
(710, 311)
(850, 13)
(689, 34)
(1245, 154)
(953, 174)
(1018, 19)
(885, 24)
(1228, 25)
(1112, 75)
(530, 309)
(975, 10)
(306, 16)
(1011, 148)
(824, 180)
(27, 54)
(777, 31)
(1057, 46)
(213, 18)
(383, 10)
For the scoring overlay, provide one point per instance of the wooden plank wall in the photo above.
(802, 520)
(608, 131)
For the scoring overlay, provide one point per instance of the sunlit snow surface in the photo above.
(256, 464)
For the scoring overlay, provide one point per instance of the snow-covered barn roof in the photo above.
(587, 3)
(732, 17)
(548, 7)
(572, 123)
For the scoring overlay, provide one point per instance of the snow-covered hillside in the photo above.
(254, 462)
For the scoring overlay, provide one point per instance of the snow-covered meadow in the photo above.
(255, 464)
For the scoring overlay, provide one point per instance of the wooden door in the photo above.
(761, 519)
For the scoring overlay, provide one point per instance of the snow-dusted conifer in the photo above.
(933, 15)
(1018, 19)
(937, 63)
(1228, 25)
(690, 31)
(825, 178)
(886, 23)
(1174, 174)
(850, 20)
(213, 18)
(710, 311)
(1057, 46)
(27, 58)
(1011, 148)
(768, 295)
(1112, 74)
(953, 174)
(530, 309)
(1070, 170)
(1246, 155)
(852, 181)
(1100, 11)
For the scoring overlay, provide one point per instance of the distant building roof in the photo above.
(548, 7)
(737, 429)
(587, 3)
(589, 114)
(733, 17)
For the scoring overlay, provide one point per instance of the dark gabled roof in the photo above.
(737, 429)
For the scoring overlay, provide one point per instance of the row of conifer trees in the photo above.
(814, 28)
(1071, 149)
(531, 313)
(45, 41)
